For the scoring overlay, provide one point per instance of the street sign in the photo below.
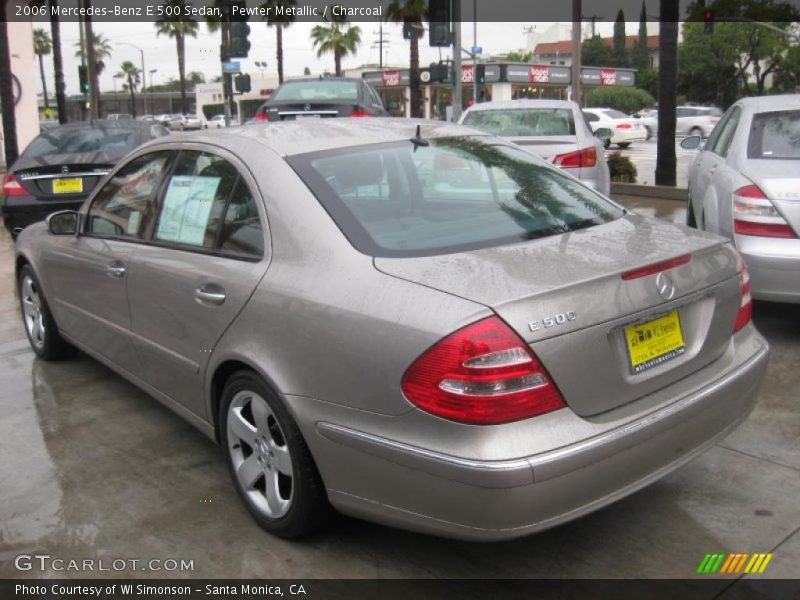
(232, 66)
(476, 50)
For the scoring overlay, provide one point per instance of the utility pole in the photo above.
(457, 90)
(227, 80)
(474, 56)
(379, 45)
(91, 66)
(576, 51)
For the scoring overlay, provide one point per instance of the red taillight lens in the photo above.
(754, 214)
(11, 187)
(656, 267)
(260, 117)
(745, 300)
(360, 113)
(623, 126)
(483, 374)
(579, 159)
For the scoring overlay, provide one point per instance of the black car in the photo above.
(61, 166)
(321, 98)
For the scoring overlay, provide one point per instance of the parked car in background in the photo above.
(552, 129)
(218, 121)
(323, 97)
(185, 122)
(61, 166)
(624, 128)
(696, 120)
(411, 321)
(744, 184)
(165, 118)
(148, 118)
(119, 116)
(649, 118)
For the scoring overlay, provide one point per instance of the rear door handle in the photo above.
(210, 293)
(116, 269)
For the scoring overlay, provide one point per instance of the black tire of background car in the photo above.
(55, 347)
(310, 509)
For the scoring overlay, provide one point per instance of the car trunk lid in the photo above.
(565, 296)
(65, 180)
(292, 111)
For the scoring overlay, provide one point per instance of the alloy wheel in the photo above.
(32, 311)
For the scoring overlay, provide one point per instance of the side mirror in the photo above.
(692, 142)
(603, 133)
(64, 222)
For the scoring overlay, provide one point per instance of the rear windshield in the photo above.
(522, 121)
(321, 89)
(775, 135)
(615, 114)
(455, 194)
(77, 141)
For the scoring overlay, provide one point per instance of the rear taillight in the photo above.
(623, 126)
(260, 117)
(579, 159)
(656, 267)
(483, 374)
(11, 187)
(360, 113)
(745, 299)
(754, 214)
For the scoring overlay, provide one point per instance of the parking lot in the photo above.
(94, 468)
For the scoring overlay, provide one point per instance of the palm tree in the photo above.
(102, 49)
(58, 64)
(416, 11)
(334, 38)
(129, 72)
(42, 44)
(179, 30)
(279, 23)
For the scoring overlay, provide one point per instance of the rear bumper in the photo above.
(773, 265)
(391, 482)
(624, 136)
(21, 211)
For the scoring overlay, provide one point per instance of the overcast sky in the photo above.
(202, 53)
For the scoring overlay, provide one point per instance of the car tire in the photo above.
(649, 132)
(606, 144)
(269, 462)
(623, 145)
(696, 131)
(40, 327)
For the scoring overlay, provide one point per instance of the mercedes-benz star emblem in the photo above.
(65, 169)
(307, 107)
(665, 286)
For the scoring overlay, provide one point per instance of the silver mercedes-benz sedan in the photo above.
(410, 322)
(744, 184)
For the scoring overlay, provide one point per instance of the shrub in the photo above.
(621, 168)
(627, 100)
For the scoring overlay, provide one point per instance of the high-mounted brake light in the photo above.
(656, 267)
(11, 186)
(578, 159)
(483, 374)
(260, 117)
(754, 214)
(624, 126)
(360, 113)
(745, 299)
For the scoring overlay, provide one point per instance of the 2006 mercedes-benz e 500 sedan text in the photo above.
(415, 323)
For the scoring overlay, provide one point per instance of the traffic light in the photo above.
(240, 45)
(439, 23)
(83, 77)
(480, 74)
(408, 28)
(708, 17)
(242, 83)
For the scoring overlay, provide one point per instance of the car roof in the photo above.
(769, 103)
(301, 79)
(522, 103)
(313, 135)
(104, 124)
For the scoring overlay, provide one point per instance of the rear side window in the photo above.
(523, 121)
(124, 206)
(455, 194)
(775, 135)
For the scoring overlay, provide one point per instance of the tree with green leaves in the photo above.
(640, 56)
(132, 76)
(102, 51)
(620, 52)
(518, 56)
(279, 20)
(595, 53)
(337, 37)
(416, 11)
(42, 44)
(178, 28)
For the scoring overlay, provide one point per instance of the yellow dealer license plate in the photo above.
(73, 185)
(654, 342)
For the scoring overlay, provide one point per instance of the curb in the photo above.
(660, 192)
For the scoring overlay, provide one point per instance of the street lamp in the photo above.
(144, 73)
(150, 90)
(261, 65)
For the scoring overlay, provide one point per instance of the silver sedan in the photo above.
(406, 321)
(744, 184)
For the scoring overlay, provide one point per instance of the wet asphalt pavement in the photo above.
(91, 467)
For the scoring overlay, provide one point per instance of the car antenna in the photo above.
(418, 141)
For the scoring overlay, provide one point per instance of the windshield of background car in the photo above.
(316, 90)
(775, 135)
(451, 195)
(78, 141)
(522, 121)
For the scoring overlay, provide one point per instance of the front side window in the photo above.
(775, 135)
(523, 121)
(454, 194)
(124, 206)
(723, 142)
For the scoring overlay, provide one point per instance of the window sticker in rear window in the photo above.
(187, 207)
